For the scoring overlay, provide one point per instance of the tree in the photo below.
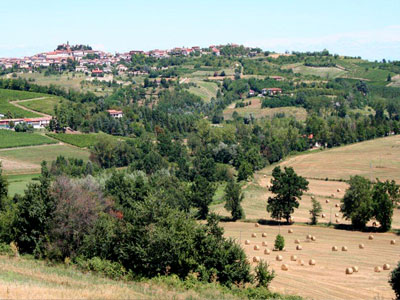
(233, 198)
(315, 211)
(245, 171)
(288, 188)
(395, 280)
(201, 195)
(3, 188)
(263, 275)
(385, 195)
(389, 78)
(279, 242)
(357, 204)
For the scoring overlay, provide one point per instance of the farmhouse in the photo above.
(116, 114)
(271, 91)
(252, 93)
(97, 73)
(36, 123)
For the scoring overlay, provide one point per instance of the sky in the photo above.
(366, 28)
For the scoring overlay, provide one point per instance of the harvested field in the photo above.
(327, 279)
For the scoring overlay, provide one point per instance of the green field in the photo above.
(9, 95)
(17, 183)
(82, 140)
(28, 160)
(323, 72)
(43, 105)
(205, 90)
(11, 139)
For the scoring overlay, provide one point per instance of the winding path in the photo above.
(15, 103)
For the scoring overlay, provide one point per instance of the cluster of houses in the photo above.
(36, 123)
(267, 92)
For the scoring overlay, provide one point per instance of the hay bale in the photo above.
(338, 190)
(297, 241)
(254, 235)
(247, 242)
(265, 176)
(256, 247)
(337, 205)
(344, 248)
(264, 234)
(349, 271)
(301, 262)
(361, 246)
(334, 248)
(312, 262)
(308, 236)
(386, 267)
(279, 258)
(313, 238)
(299, 247)
(285, 267)
(336, 215)
(333, 195)
(293, 258)
(374, 224)
(265, 244)
(291, 220)
(290, 231)
(313, 197)
(377, 269)
(256, 225)
(392, 242)
(337, 221)
(371, 237)
(355, 269)
(323, 216)
(267, 251)
(327, 201)
(256, 259)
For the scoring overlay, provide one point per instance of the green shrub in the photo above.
(279, 242)
(395, 281)
(103, 267)
(5, 249)
(263, 275)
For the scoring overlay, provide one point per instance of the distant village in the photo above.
(97, 62)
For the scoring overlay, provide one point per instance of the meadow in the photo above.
(82, 140)
(44, 105)
(11, 139)
(17, 183)
(205, 90)
(28, 160)
(6, 96)
(323, 72)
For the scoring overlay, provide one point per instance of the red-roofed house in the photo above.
(271, 91)
(115, 113)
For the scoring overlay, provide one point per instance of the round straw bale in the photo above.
(293, 258)
(247, 242)
(299, 247)
(338, 190)
(349, 271)
(374, 224)
(355, 269)
(264, 234)
(256, 247)
(254, 235)
(327, 201)
(301, 262)
(291, 220)
(370, 237)
(308, 236)
(333, 195)
(313, 238)
(334, 248)
(265, 176)
(323, 216)
(337, 221)
(256, 225)
(336, 215)
(312, 262)
(313, 197)
(279, 258)
(337, 205)
(265, 244)
(392, 242)
(361, 246)
(256, 259)
(285, 267)
(267, 251)
(386, 267)
(344, 248)
(377, 269)
(290, 231)
(296, 241)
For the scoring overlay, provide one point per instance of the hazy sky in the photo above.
(367, 28)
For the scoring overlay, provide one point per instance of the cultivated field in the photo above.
(18, 183)
(44, 105)
(205, 90)
(6, 96)
(11, 139)
(27, 160)
(324, 72)
(327, 279)
(83, 140)
(257, 112)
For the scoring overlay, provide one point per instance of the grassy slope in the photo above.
(18, 183)
(205, 90)
(324, 72)
(45, 105)
(11, 139)
(82, 140)
(9, 95)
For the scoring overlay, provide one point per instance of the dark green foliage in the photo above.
(395, 281)
(279, 242)
(3, 189)
(263, 275)
(288, 188)
(357, 203)
(113, 270)
(315, 211)
(233, 198)
(245, 171)
(383, 205)
(201, 195)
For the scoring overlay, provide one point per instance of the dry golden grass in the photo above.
(325, 280)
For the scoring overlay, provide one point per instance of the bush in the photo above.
(279, 242)
(103, 267)
(263, 275)
(395, 281)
